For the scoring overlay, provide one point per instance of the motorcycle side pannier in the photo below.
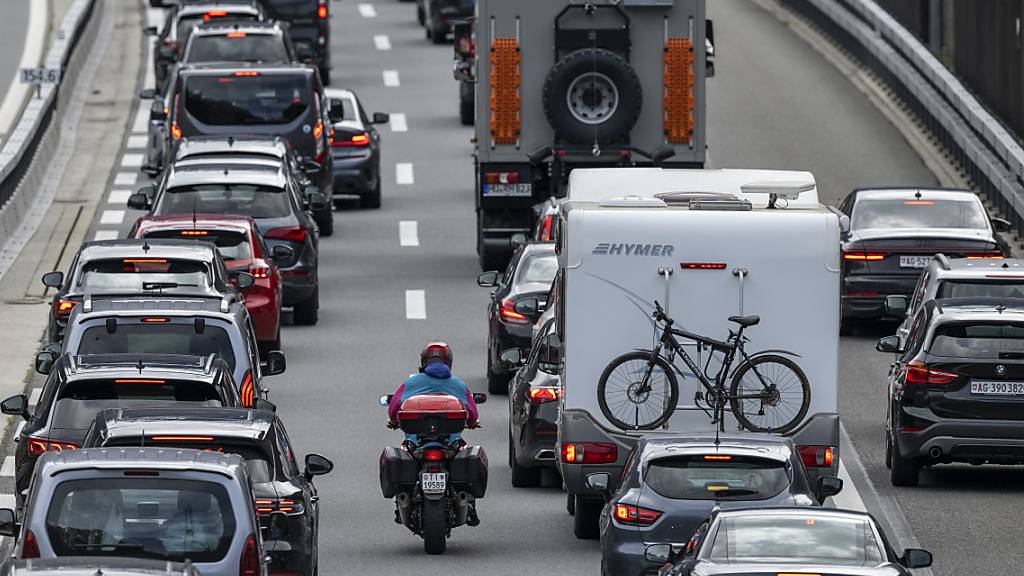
(398, 471)
(468, 471)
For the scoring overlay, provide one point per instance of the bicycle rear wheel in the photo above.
(783, 396)
(631, 402)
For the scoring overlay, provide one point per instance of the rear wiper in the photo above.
(1011, 355)
(735, 492)
(164, 285)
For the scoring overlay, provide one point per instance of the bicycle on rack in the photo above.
(768, 392)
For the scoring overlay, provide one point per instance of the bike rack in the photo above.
(741, 273)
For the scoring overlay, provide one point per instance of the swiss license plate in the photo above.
(508, 189)
(433, 482)
(998, 388)
(914, 261)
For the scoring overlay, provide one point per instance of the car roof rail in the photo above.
(943, 260)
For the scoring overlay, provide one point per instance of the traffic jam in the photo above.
(662, 336)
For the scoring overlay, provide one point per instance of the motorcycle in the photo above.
(435, 482)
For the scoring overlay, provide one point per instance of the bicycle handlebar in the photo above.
(659, 314)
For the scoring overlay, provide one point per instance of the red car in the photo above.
(242, 248)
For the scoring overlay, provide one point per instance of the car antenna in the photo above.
(917, 194)
(140, 366)
(231, 139)
(145, 246)
(717, 439)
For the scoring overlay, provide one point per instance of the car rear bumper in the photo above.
(863, 295)
(511, 336)
(962, 440)
(537, 447)
(622, 552)
(264, 308)
(355, 175)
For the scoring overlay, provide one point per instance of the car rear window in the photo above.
(538, 268)
(234, 247)
(237, 47)
(141, 274)
(896, 213)
(141, 388)
(241, 199)
(187, 22)
(247, 98)
(141, 517)
(342, 109)
(975, 289)
(157, 338)
(290, 8)
(257, 462)
(716, 477)
(796, 539)
(987, 340)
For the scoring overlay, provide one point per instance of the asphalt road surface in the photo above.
(776, 103)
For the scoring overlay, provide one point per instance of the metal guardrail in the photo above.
(19, 172)
(991, 156)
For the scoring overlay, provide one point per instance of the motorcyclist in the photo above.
(435, 376)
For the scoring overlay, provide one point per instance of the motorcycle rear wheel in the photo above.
(434, 526)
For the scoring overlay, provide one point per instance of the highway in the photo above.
(775, 103)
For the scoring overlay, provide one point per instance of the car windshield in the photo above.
(976, 289)
(985, 340)
(716, 477)
(142, 274)
(234, 247)
(896, 213)
(247, 98)
(237, 47)
(796, 539)
(141, 517)
(241, 199)
(538, 268)
(135, 337)
(140, 388)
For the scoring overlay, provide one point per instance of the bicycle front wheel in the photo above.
(769, 394)
(638, 391)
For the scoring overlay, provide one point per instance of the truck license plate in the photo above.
(998, 388)
(914, 261)
(433, 482)
(508, 189)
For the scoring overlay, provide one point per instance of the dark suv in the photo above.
(236, 41)
(310, 28)
(956, 389)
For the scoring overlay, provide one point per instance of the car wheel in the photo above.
(325, 221)
(371, 199)
(307, 313)
(496, 383)
(845, 326)
(584, 524)
(903, 471)
(522, 476)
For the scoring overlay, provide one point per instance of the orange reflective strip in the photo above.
(505, 98)
(678, 99)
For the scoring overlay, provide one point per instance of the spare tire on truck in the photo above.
(592, 95)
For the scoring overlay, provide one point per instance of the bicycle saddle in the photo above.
(745, 321)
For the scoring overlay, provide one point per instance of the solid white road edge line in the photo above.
(33, 397)
(31, 56)
(415, 305)
(398, 122)
(391, 79)
(403, 173)
(367, 11)
(382, 42)
(408, 233)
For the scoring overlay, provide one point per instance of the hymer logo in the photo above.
(614, 249)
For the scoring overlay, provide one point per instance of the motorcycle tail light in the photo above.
(433, 455)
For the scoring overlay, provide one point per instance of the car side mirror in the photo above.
(488, 279)
(15, 406)
(138, 201)
(479, 397)
(244, 280)
(45, 361)
(315, 200)
(518, 239)
(895, 305)
(527, 306)
(916, 558)
(147, 93)
(8, 524)
(890, 344)
(599, 482)
(264, 404)
(512, 358)
(317, 465)
(551, 350)
(157, 111)
(283, 253)
(1001, 224)
(385, 400)
(275, 363)
(658, 553)
(829, 486)
(53, 279)
(380, 118)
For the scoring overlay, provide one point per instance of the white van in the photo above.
(705, 244)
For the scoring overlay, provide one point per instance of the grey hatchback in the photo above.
(166, 504)
(671, 485)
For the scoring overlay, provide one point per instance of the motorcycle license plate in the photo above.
(433, 482)
(998, 388)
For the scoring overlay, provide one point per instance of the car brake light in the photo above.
(236, 34)
(508, 313)
(919, 373)
(545, 228)
(703, 265)
(635, 515)
(433, 455)
(816, 456)
(139, 381)
(501, 177)
(321, 11)
(356, 140)
(29, 546)
(291, 233)
(244, 73)
(589, 453)
(863, 256)
(266, 506)
(248, 391)
(981, 255)
(259, 269)
(214, 14)
(720, 457)
(318, 130)
(194, 233)
(40, 446)
(249, 565)
(63, 307)
(175, 131)
(544, 394)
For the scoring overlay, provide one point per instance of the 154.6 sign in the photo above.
(40, 75)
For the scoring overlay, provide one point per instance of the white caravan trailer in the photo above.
(727, 252)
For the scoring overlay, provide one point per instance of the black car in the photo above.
(355, 147)
(229, 99)
(93, 565)
(173, 267)
(309, 24)
(533, 396)
(787, 541)
(438, 16)
(234, 41)
(262, 190)
(956, 388)
(671, 485)
(80, 386)
(518, 298)
(285, 497)
(895, 232)
(182, 18)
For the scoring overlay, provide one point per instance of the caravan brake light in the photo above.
(702, 265)
(816, 456)
(589, 453)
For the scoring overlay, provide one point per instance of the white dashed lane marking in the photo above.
(112, 217)
(408, 233)
(398, 122)
(403, 173)
(391, 79)
(118, 197)
(105, 235)
(131, 160)
(7, 501)
(367, 11)
(125, 179)
(7, 470)
(382, 42)
(33, 397)
(415, 305)
(17, 431)
(141, 123)
(136, 142)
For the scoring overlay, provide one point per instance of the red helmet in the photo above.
(436, 352)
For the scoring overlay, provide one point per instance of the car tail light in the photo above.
(249, 565)
(863, 256)
(321, 10)
(214, 14)
(267, 506)
(501, 177)
(589, 453)
(544, 394)
(248, 391)
(509, 314)
(62, 308)
(545, 228)
(355, 140)
(291, 233)
(39, 446)
(433, 455)
(30, 546)
(236, 34)
(919, 373)
(980, 255)
(259, 269)
(635, 515)
(817, 456)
